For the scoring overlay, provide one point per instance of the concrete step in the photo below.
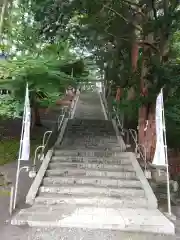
(96, 181)
(82, 140)
(93, 138)
(84, 144)
(86, 153)
(124, 219)
(89, 147)
(89, 234)
(91, 129)
(86, 165)
(91, 172)
(92, 200)
(97, 160)
(88, 189)
(88, 128)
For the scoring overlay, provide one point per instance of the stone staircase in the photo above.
(90, 185)
(89, 107)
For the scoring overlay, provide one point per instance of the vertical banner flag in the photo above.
(25, 134)
(160, 156)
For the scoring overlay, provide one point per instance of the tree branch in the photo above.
(151, 45)
(154, 9)
(117, 13)
(131, 3)
(121, 16)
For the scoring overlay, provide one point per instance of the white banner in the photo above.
(160, 156)
(26, 124)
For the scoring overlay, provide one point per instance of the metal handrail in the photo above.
(145, 155)
(49, 133)
(44, 137)
(132, 132)
(36, 154)
(104, 103)
(118, 119)
(44, 144)
(48, 142)
(134, 135)
(61, 119)
(126, 133)
(138, 147)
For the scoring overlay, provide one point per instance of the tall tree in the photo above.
(130, 41)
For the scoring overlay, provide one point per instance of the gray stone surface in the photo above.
(89, 106)
(25, 233)
(89, 185)
(93, 200)
(121, 159)
(123, 219)
(93, 181)
(91, 172)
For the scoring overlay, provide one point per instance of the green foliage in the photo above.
(49, 101)
(106, 30)
(50, 72)
(10, 107)
(8, 150)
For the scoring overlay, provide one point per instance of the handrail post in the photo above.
(35, 154)
(44, 137)
(11, 200)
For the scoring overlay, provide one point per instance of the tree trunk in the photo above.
(36, 120)
(134, 55)
(147, 130)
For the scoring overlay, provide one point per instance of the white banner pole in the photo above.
(19, 160)
(166, 157)
(160, 156)
(24, 140)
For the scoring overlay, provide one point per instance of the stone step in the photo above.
(94, 181)
(89, 133)
(90, 172)
(98, 160)
(92, 129)
(86, 165)
(92, 133)
(89, 234)
(92, 200)
(88, 189)
(89, 122)
(109, 139)
(124, 219)
(89, 147)
(80, 141)
(86, 153)
(99, 139)
(78, 121)
(88, 128)
(101, 136)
